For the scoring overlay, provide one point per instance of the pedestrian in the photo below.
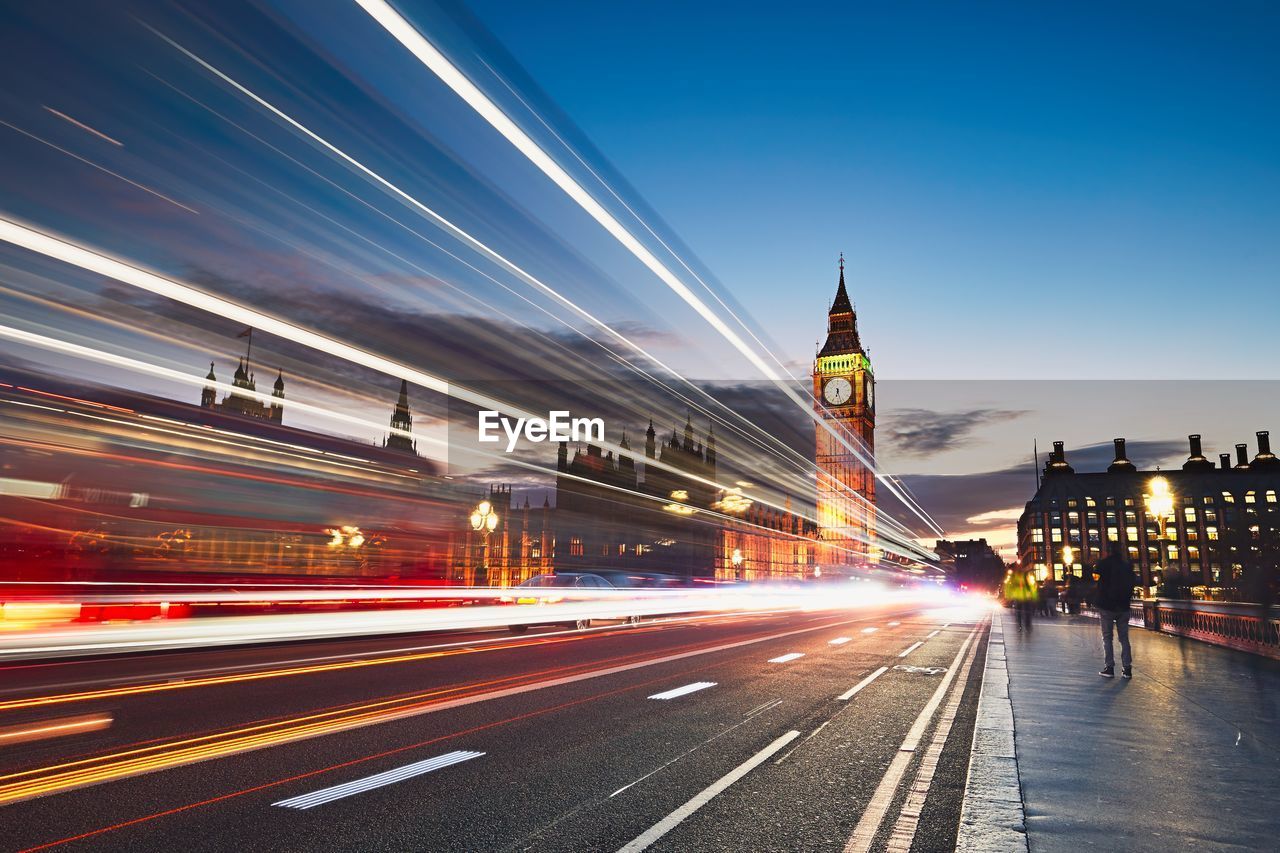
(1113, 590)
(1048, 597)
(1020, 591)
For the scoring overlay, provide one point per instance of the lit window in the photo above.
(1189, 513)
(1089, 502)
(1228, 498)
(1211, 533)
(1251, 497)
(1131, 533)
(1113, 534)
(1271, 496)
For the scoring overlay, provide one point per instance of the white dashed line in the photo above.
(674, 819)
(869, 630)
(909, 649)
(787, 658)
(932, 634)
(684, 691)
(894, 624)
(337, 792)
(848, 694)
(839, 641)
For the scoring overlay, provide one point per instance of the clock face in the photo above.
(838, 391)
(871, 394)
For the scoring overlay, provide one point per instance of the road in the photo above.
(780, 731)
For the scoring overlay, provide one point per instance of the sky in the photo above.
(1058, 219)
(1092, 187)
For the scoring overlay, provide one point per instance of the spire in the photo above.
(211, 377)
(688, 432)
(401, 422)
(842, 305)
(279, 386)
(623, 444)
(842, 323)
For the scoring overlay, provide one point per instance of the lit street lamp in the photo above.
(484, 520)
(1068, 558)
(1160, 506)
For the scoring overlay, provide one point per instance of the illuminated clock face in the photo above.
(871, 394)
(838, 391)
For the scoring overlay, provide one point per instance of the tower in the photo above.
(844, 397)
(401, 423)
(277, 398)
(209, 396)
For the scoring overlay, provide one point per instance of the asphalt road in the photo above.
(488, 742)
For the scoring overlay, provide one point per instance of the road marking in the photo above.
(787, 658)
(909, 649)
(904, 829)
(873, 815)
(684, 691)
(894, 624)
(39, 781)
(848, 694)
(932, 634)
(378, 780)
(839, 641)
(760, 709)
(869, 630)
(672, 820)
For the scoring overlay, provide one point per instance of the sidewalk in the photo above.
(1184, 756)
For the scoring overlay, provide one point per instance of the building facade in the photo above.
(618, 513)
(844, 395)
(1075, 518)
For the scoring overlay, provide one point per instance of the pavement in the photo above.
(786, 731)
(1186, 756)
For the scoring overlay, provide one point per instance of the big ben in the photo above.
(844, 395)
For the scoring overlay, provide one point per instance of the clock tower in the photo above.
(844, 395)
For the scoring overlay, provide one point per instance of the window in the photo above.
(1056, 534)
(1208, 499)
(1228, 498)
(575, 547)
(1271, 496)
(1072, 503)
(1089, 502)
(1113, 534)
(1189, 513)
(1193, 553)
(1128, 501)
(1110, 501)
(1037, 535)
(1130, 517)
(1192, 534)
(1251, 497)
(1074, 518)
(1210, 516)
(1131, 533)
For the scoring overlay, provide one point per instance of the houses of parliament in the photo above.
(624, 514)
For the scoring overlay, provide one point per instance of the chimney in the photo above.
(1196, 461)
(1225, 459)
(1057, 463)
(1121, 462)
(1242, 456)
(1265, 458)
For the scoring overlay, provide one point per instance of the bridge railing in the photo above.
(1245, 627)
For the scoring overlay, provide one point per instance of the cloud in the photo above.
(924, 432)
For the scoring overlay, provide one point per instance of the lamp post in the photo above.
(1159, 502)
(1068, 559)
(484, 520)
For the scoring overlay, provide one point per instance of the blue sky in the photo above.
(1023, 189)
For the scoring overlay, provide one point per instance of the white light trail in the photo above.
(426, 53)
(378, 780)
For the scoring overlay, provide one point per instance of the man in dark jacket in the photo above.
(1113, 590)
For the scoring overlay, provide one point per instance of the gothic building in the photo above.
(618, 514)
(244, 404)
(844, 398)
(401, 424)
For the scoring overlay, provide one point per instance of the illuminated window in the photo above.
(1271, 496)
(1211, 533)
(1208, 499)
(1193, 553)
(1072, 503)
(1189, 513)
(1251, 497)
(1056, 534)
(1133, 553)
(1113, 534)
(1037, 535)
(1128, 501)
(1192, 534)
(575, 547)
(1130, 517)
(1228, 498)
(1089, 502)
(1131, 533)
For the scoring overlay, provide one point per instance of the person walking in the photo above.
(1113, 590)
(1020, 591)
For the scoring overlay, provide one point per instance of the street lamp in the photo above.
(1159, 502)
(1068, 558)
(484, 520)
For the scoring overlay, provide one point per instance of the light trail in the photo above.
(509, 265)
(83, 126)
(435, 61)
(42, 781)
